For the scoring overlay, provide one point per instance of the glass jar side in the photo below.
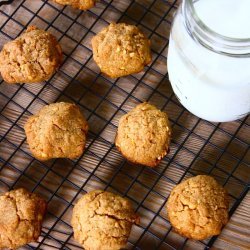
(213, 86)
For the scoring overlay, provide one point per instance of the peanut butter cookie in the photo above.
(198, 207)
(57, 131)
(121, 49)
(78, 4)
(21, 216)
(32, 57)
(102, 220)
(143, 135)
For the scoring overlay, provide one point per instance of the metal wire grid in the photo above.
(197, 146)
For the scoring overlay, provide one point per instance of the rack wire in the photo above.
(198, 146)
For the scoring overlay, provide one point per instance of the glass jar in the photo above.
(210, 71)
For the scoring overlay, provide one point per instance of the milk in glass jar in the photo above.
(209, 58)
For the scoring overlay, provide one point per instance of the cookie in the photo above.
(121, 49)
(143, 135)
(57, 131)
(32, 57)
(21, 216)
(78, 4)
(102, 220)
(198, 207)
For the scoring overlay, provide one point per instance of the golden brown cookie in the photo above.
(32, 57)
(121, 49)
(78, 4)
(198, 207)
(57, 131)
(103, 220)
(143, 135)
(21, 216)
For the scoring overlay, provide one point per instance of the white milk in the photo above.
(229, 18)
(211, 85)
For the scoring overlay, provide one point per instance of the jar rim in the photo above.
(209, 37)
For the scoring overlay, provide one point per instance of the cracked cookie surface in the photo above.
(32, 57)
(102, 221)
(21, 216)
(198, 207)
(78, 4)
(57, 131)
(121, 49)
(143, 135)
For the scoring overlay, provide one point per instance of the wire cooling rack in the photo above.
(221, 150)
